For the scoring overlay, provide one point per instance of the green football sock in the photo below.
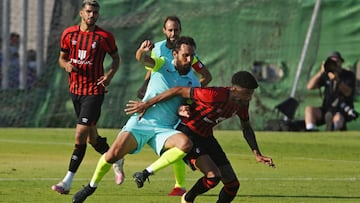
(101, 169)
(167, 158)
(179, 172)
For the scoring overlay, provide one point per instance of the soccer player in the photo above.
(156, 128)
(172, 30)
(211, 106)
(82, 51)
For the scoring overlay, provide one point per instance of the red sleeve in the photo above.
(210, 94)
(65, 41)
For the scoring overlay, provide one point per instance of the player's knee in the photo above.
(211, 182)
(186, 145)
(101, 145)
(232, 187)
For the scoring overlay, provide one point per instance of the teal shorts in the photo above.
(145, 132)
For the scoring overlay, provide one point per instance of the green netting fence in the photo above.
(231, 35)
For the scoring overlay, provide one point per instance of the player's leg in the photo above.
(231, 184)
(179, 168)
(81, 132)
(124, 143)
(88, 110)
(77, 156)
(91, 106)
(228, 176)
(174, 146)
(210, 179)
(100, 145)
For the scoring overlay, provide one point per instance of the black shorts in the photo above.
(87, 108)
(202, 146)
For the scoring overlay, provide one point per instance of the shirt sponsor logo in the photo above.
(81, 57)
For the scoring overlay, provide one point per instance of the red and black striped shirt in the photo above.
(211, 106)
(87, 51)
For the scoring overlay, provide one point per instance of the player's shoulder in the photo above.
(103, 32)
(160, 43)
(70, 29)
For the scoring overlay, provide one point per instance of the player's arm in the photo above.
(65, 62)
(140, 107)
(105, 80)
(250, 138)
(115, 64)
(200, 68)
(141, 55)
(205, 77)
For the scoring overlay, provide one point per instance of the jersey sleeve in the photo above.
(210, 94)
(159, 62)
(65, 42)
(152, 56)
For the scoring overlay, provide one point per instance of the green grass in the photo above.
(311, 167)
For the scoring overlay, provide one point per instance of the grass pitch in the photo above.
(311, 167)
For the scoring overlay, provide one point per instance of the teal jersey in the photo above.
(160, 50)
(163, 77)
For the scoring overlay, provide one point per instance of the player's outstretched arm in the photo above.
(140, 107)
(250, 138)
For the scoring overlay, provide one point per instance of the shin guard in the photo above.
(77, 157)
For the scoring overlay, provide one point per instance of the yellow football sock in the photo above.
(101, 169)
(167, 158)
(179, 172)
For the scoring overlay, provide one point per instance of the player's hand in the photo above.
(135, 107)
(70, 68)
(266, 160)
(147, 45)
(104, 81)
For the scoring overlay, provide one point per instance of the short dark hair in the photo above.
(244, 79)
(172, 18)
(93, 3)
(184, 40)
